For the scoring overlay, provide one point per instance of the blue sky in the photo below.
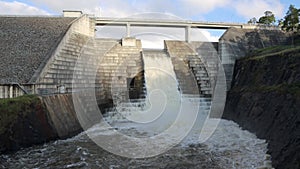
(212, 10)
(197, 10)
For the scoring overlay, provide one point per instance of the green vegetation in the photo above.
(291, 20)
(293, 89)
(270, 51)
(11, 109)
(252, 21)
(290, 23)
(268, 19)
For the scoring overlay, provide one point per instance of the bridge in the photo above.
(186, 24)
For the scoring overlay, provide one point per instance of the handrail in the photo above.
(20, 87)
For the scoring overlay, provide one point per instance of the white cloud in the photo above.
(207, 37)
(18, 8)
(256, 8)
(112, 8)
(193, 7)
(181, 8)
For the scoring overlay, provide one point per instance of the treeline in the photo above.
(289, 23)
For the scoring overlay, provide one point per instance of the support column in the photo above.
(1, 92)
(188, 34)
(128, 30)
(11, 88)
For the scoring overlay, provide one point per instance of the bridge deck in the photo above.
(175, 23)
(166, 23)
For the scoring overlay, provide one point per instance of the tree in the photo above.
(252, 21)
(291, 20)
(268, 19)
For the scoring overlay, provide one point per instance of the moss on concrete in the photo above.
(11, 109)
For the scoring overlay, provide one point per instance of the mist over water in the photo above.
(161, 131)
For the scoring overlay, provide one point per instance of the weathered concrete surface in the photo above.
(191, 73)
(237, 43)
(119, 67)
(265, 99)
(25, 42)
(62, 115)
(58, 68)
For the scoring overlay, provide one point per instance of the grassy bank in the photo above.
(11, 109)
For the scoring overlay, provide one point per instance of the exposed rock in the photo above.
(265, 99)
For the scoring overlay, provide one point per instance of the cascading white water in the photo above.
(165, 109)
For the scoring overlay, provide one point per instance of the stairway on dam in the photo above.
(190, 70)
(208, 54)
(78, 60)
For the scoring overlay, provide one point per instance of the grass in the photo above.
(293, 89)
(271, 51)
(11, 109)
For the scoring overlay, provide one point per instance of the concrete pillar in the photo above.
(128, 30)
(188, 34)
(1, 92)
(11, 88)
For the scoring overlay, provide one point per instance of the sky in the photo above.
(197, 10)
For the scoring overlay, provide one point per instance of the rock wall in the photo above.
(26, 42)
(265, 99)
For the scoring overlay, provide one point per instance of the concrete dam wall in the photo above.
(265, 99)
(76, 62)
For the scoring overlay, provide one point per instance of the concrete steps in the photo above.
(79, 58)
(191, 72)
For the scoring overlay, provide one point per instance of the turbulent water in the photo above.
(229, 147)
(165, 128)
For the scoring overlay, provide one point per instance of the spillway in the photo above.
(161, 131)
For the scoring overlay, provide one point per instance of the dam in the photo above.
(158, 108)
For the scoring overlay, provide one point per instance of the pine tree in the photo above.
(291, 21)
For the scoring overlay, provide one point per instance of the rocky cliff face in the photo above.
(265, 99)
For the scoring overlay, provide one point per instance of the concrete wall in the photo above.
(237, 43)
(62, 115)
(119, 66)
